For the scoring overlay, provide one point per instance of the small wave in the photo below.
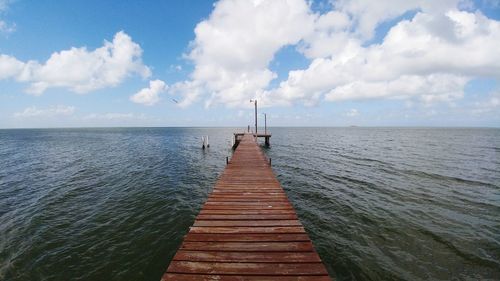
(475, 259)
(439, 177)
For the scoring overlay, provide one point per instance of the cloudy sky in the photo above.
(198, 63)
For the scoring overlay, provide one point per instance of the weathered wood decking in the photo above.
(247, 229)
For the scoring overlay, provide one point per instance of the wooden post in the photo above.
(255, 117)
(265, 123)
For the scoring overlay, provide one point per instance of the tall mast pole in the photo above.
(255, 117)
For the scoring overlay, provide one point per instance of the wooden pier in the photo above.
(247, 229)
(239, 136)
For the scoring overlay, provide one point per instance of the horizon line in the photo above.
(348, 126)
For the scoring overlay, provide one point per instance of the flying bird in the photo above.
(174, 100)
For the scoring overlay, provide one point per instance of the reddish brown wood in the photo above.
(248, 246)
(247, 268)
(212, 203)
(247, 229)
(276, 257)
(246, 212)
(216, 277)
(247, 217)
(249, 237)
(247, 207)
(247, 223)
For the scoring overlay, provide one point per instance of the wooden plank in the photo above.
(227, 196)
(241, 194)
(247, 268)
(246, 204)
(211, 277)
(247, 217)
(242, 190)
(248, 237)
(230, 192)
(243, 201)
(216, 256)
(248, 230)
(262, 184)
(246, 246)
(247, 212)
(246, 195)
(277, 203)
(248, 207)
(247, 223)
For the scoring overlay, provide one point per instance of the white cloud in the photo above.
(419, 58)
(430, 58)
(366, 15)
(190, 91)
(150, 96)
(431, 88)
(10, 67)
(113, 116)
(33, 111)
(352, 112)
(331, 35)
(6, 27)
(234, 46)
(79, 69)
(490, 104)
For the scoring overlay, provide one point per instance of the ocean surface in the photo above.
(378, 203)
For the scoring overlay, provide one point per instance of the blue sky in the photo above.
(322, 63)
